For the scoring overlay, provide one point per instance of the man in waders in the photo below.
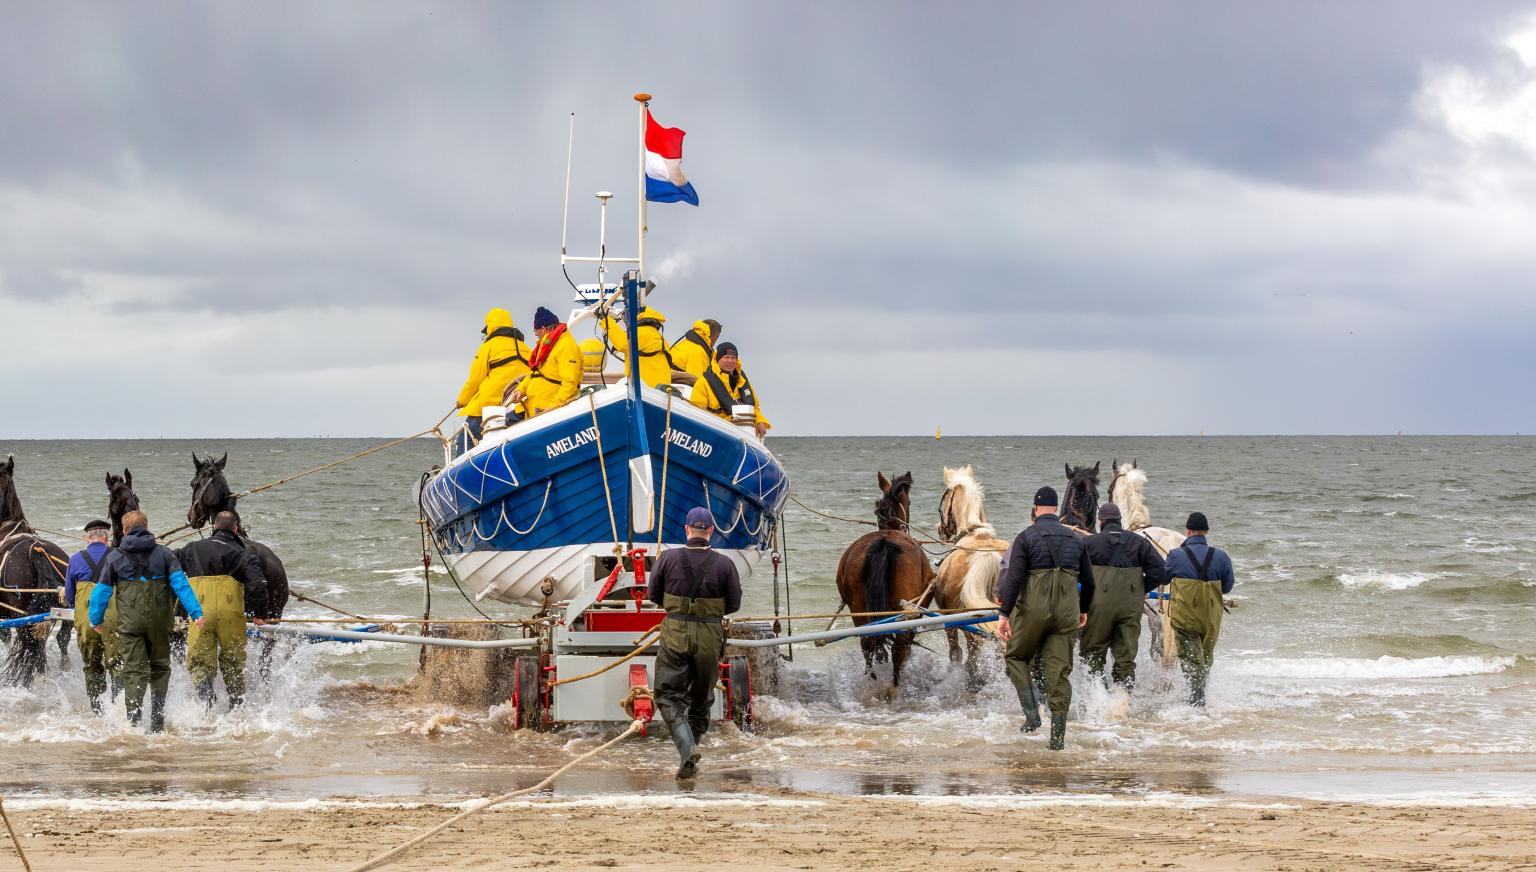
(98, 651)
(142, 577)
(1044, 597)
(230, 586)
(1200, 575)
(1125, 569)
(697, 587)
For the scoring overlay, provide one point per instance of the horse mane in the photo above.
(965, 509)
(1125, 492)
(11, 513)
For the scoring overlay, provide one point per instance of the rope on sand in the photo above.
(17, 842)
(392, 854)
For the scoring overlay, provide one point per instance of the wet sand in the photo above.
(786, 831)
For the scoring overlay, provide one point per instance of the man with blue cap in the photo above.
(554, 376)
(1043, 596)
(698, 587)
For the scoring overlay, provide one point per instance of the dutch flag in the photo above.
(664, 179)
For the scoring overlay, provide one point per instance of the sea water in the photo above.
(1382, 649)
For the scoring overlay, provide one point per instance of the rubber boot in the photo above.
(1031, 706)
(687, 750)
(1058, 732)
(206, 693)
(156, 713)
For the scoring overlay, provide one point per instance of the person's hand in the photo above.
(260, 622)
(761, 429)
(1004, 629)
(518, 396)
(198, 623)
(1082, 620)
(96, 628)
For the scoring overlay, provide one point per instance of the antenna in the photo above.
(565, 219)
(602, 241)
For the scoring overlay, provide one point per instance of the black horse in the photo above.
(211, 495)
(1080, 505)
(121, 501)
(26, 561)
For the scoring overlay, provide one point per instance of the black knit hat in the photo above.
(726, 348)
(97, 524)
(1198, 523)
(1046, 496)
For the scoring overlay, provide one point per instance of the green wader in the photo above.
(99, 654)
(688, 666)
(1043, 625)
(1114, 622)
(219, 645)
(144, 614)
(1195, 612)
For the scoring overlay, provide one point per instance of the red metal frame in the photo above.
(625, 621)
(639, 678)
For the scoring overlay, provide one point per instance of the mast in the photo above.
(644, 101)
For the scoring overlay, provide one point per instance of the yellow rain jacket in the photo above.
(558, 380)
(499, 360)
(694, 352)
(655, 364)
(708, 389)
(592, 351)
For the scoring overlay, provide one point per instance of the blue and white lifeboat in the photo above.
(551, 497)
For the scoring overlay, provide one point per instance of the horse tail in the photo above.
(877, 575)
(978, 590)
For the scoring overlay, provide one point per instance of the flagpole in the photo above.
(644, 100)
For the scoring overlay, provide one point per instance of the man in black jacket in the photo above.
(230, 585)
(1126, 567)
(1044, 596)
(697, 587)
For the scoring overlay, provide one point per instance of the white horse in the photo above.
(1125, 492)
(967, 576)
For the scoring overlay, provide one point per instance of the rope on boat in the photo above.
(634, 727)
(324, 466)
(645, 642)
(666, 457)
(602, 463)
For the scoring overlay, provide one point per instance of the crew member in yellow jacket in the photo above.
(554, 377)
(500, 360)
(695, 351)
(655, 361)
(725, 384)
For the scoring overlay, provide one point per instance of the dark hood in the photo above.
(138, 540)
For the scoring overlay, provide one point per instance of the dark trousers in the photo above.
(685, 687)
(469, 436)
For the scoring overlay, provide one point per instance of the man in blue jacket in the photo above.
(98, 651)
(142, 577)
(1200, 574)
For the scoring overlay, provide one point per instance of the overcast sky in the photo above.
(273, 219)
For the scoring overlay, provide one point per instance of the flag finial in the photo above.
(642, 97)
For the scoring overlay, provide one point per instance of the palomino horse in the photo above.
(967, 576)
(211, 495)
(1125, 492)
(26, 562)
(1080, 504)
(881, 569)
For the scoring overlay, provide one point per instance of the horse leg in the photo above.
(973, 678)
(868, 646)
(901, 648)
(953, 636)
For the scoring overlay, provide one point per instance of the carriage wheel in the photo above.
(738, 685)
(527, 694)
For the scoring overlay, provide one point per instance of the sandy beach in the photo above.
(784, 831)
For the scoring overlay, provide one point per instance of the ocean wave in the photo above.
(1384, 580)
(1359, 667)
(622, 801)
(1371, 498)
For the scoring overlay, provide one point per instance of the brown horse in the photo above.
(26, 562)
(967, 576)
(881, 569)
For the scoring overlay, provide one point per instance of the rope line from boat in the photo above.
(324, 466)
(645, 642)
(741, 511)
(933, 540)
(602, 463)
(666, 458)
(635, 726)
(542, 506)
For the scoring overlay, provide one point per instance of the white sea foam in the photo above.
(1028, 800)
(1355, 668)
(1384, 580)
(619, 801)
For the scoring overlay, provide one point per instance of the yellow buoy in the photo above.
(938, 433)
